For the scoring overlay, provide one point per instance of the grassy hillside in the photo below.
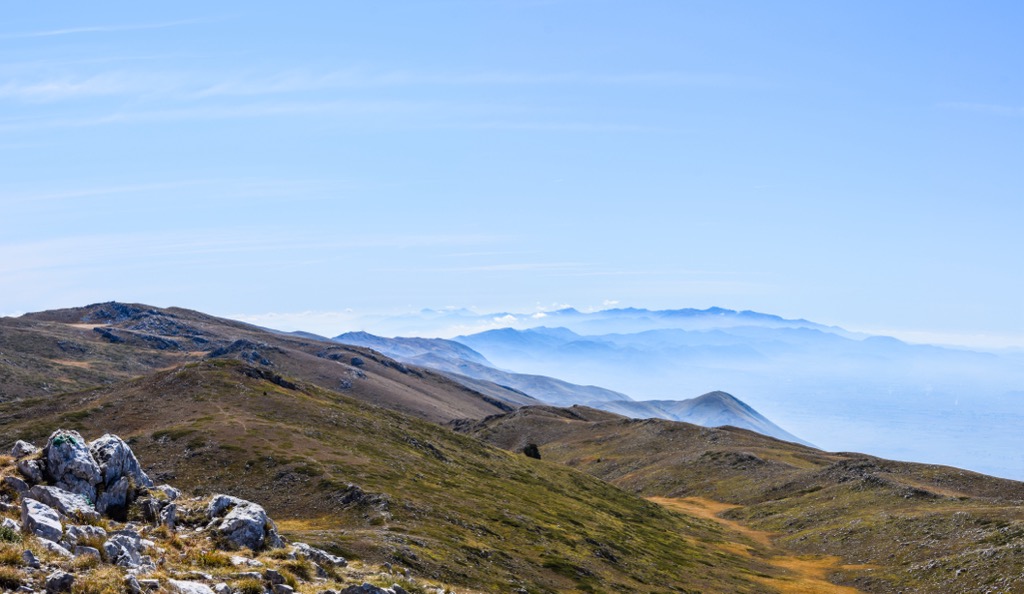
(373, 484)
(74, 349)
(902, 527)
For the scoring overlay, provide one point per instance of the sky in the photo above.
(851, 163)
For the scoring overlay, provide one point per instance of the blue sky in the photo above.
(851, 163)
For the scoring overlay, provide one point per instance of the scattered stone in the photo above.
(76, 534)
(40, 519)
(273, 577)
(318, 555)
(59, 581)
(150, 584)
(81, 551)
(116, 461)
(365, 588)
(70, 505)
(239, 561)
(16, 483)
(169, 515)
(55, 548)
(70, 465)
(9, 524)
(23, 449)
(169, 491)
(248, 575)
(283, 589)
(222, 588)
(30, 559)
(132, 585)
(184, 587)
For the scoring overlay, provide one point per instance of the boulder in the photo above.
(9, 524)
(132, 585)
(184, 587)
(86, 551)
(22, 449)
(30, 560)
(245, 525)
(32, 470)
(40, 519)
(70, 505)
(55, 548)
(70, 465)
(127, 548)
(116, 460)
(59, 581)
(319, 556)
(16, 483)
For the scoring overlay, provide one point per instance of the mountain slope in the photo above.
(374, 484)
(459, 361)
(714, 409)
(79, 348)
(905, 527)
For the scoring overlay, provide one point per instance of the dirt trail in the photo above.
(803, 574)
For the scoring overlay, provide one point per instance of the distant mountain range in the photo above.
(838, 389)
(470, 368)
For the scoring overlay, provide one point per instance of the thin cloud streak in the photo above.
(102, 29)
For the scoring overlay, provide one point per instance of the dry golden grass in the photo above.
(805, 574)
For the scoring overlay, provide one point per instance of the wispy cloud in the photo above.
(989, 108)
(101, 29)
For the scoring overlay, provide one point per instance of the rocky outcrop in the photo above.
(68, 529)
(70, 465)
(244, 525)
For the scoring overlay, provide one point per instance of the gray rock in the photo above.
(222, 588)
(30, 559)
(273, 577)
(129, 547)
(40, 519)
(16, 483)
(283, 589)
(150, 584)
(70, 465)
(248, 575)
(169, 515)
(68, 504)
(169, 491)
(115, 497)
(76, 534)
(55, 548)
(59, 581)
(32, 469)
(22, 449)
(245, 525)
(396, 589)
(184, 587)
(112, 551)
(9, 524)
(239, 561)
(132, 585)
(116, 460)
(83, 551)
(318, 555)
(365, 588)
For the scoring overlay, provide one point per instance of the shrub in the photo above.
(248, 586)
(212, 559)
(8, 534)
